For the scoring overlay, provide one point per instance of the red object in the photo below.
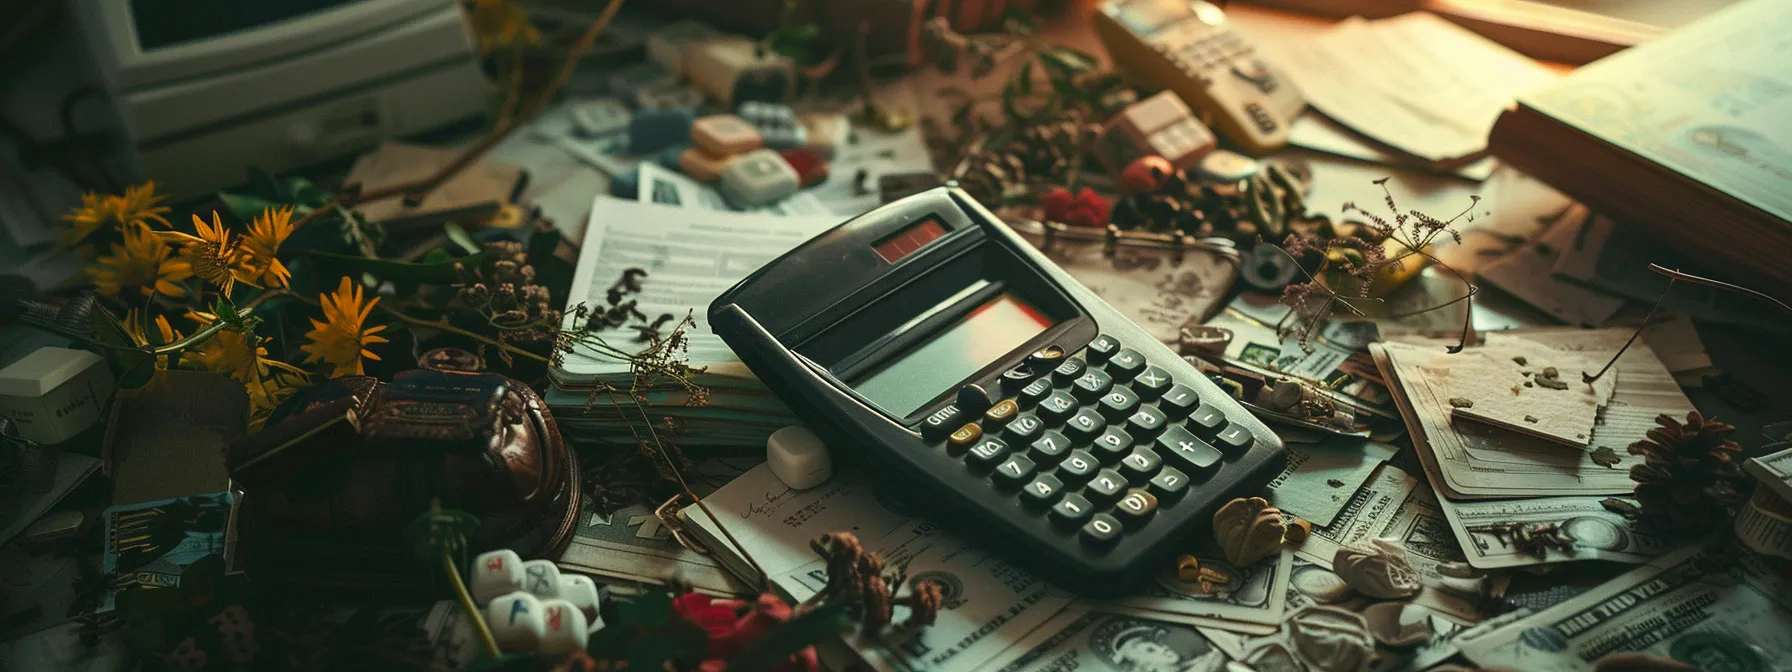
(810, 169)
(1145, 174)
(905, 242)
(1084, 209)
(730, 634)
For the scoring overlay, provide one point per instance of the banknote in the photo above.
(1395, 506)
(1093, 641)
(1486, 531)
(1245, 599)
(1320, 479)
(1774, 471)
(987, 604)
(1715, 606)
(630, 544)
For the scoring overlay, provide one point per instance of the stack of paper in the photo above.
(690, 257)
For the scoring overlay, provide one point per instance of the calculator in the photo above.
(1002, 395)
(1189, 47)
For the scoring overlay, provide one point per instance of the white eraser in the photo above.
(798, 458)
(759, 177)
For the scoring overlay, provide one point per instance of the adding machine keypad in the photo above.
(1096, 441)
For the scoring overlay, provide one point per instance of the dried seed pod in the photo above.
(1379, 572)
(1398, 623)
(1248, 529)
(1188, 568)
(1298, 531)
(1330, 639)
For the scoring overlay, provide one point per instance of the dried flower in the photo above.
(340, 341)
(501, 24)
(140, 264)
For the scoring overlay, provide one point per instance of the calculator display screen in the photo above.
(912, 237)
(985, 334)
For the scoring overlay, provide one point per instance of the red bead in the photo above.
(1145, 175)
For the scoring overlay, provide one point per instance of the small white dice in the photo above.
(583, 593)
(496, 573)
(516, 622)
(601, 117)
(798, 458)
(565, 632)
(757, 178)
(541, 578)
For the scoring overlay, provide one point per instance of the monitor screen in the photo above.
(164, 23)
(908, 381)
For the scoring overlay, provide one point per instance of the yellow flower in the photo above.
(213, 254)
(267, 395)
(138, 206)
(269, 229)
(143, 263)
(340, 341)
(135, 209)
(501, 24)
(134, 328)
(235, 352)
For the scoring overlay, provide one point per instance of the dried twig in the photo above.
(1675, 276)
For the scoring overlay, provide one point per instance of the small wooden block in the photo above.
(757, 178)
(725, 134)
(701, 165)
(732, 69)
(827, 133)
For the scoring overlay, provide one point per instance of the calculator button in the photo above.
(963, 437)
(1119, 402)
(1112, 445)
(1077, 467)
(1043, 490)
(1140, 466)
(1015, 470)
(1146, 421)
(987, 453)
(1101, 530)
(1187, 451)
(1025, 428)
(1233, 439)
(1178, 401)
(1050, 448)
(1105, 487)
(1126, 363)
(1169, 485)
(1085, 425)
(1151, 383)
(1046, 358)
(942, 422)
(1001, 413)
(1036, 390)
(1072, 510)
(1057, 406)
(1069, 370)
(1207, 420)
(1020, 375)
(1091, 385)
(1101, 348)
(973, 399)
(1136, 507)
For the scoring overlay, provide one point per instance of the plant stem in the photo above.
(467, 607)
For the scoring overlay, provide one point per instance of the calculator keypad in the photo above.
(1097, 441)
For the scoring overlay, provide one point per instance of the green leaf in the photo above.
(1024, 78)
(461, 238)
(406, 276)
(783, 641)
(651, 610)
(244, 207)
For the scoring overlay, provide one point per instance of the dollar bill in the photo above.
(1248, 599)
(1773, 471)
(1487, 529)
(987, 604)
(1088, 641)
(1714, 606)
(631, 545)
(1319, 479)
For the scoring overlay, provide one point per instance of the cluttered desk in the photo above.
(980, 335)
